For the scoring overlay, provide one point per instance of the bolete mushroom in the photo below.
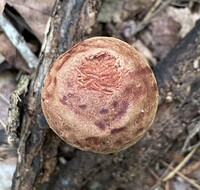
(100, 96)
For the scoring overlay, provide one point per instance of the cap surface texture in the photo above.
(100, 96)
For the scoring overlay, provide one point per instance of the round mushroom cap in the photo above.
(100, 96)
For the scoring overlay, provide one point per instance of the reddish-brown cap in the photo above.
(100, 95)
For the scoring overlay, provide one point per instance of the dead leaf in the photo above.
(35, 13)
(165, 31)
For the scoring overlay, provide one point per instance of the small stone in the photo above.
(196, 64)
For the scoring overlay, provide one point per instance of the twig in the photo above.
(18, 41)
(155, 9)
(159, 182)
(188, 180)
(3, 124)
(181, 165)
(3, 98)
(167, 185)
(153, 174)
(196, 130)
(192, 167)
(176, 170)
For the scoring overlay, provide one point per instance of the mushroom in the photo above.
(100, 96)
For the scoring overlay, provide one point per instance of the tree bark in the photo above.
(38, 146)
(40, 149)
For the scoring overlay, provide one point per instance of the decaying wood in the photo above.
(179, 85)
(13, 121)
(37, 152)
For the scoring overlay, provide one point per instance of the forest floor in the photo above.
(153, 27)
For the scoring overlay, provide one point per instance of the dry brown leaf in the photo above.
(185, 17)
(35, 13)
(165, 31)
